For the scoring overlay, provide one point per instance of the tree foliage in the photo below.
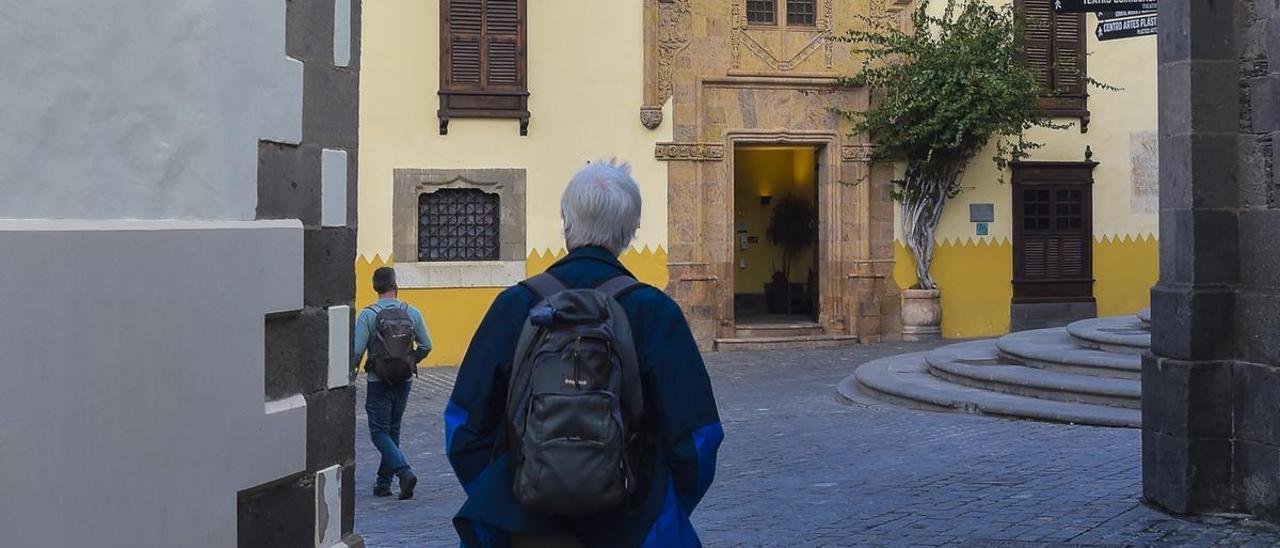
(943, 89)
(947, 85)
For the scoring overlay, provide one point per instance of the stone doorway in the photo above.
(775, 222)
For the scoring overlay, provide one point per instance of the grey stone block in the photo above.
(1257, 327)
(309, 31)
(1260, 247)
(289, 182)
(1187, 475)
(1199, 246)
(1255, 158)
(1258, 468)
(1265, 107)
(1027, 316)
(1188, 103)
(1186, 399)
(331, 427)
(297, 347)
(1195, 30)
(1257, 403)
(329, 266)
(280, 513)
(330, 106)
(1199, 170)
(348, 500)
(1192, 324)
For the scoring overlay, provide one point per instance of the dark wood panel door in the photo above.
(1053, 232)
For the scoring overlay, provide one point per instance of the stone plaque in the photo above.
(982, 213)
(1144, 158)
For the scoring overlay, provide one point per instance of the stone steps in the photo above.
(1123, 335)
(906, 380)
(979, 365)
(1086, 373)
(780, 343)
(777, 330)
(1055, 350)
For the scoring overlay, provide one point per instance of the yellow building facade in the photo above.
(474, 114)
(584, 87)
(973, 272)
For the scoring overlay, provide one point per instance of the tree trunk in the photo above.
(923, 198)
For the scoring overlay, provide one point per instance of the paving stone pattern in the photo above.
(799, 468)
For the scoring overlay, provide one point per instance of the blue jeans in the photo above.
(384, 404)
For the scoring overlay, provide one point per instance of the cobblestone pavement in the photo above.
(800, 468)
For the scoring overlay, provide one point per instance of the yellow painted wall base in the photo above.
(453, 314)
(976, 280)
(1125, 269)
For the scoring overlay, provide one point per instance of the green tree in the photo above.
(944, 89)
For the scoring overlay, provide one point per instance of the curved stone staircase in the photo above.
(1085, 373)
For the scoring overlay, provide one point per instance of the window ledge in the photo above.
(442, 275)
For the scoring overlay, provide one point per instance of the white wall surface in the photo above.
(132, 398)
(141, 108)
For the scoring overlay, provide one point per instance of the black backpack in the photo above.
(391, 349)
(574, 400)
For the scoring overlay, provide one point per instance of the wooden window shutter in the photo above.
(464, 30)
(502, 42)
(483, 61)
(1038, 47)
(1055, 47)
(1068, 54)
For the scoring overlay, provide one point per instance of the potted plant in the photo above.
(790, 228)
(945, 87)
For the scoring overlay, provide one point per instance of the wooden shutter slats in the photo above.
(484, 45)
(1055, 45)
(502, 17)
(503, 63)
(466, 16)
(465, 61)
(482, 61)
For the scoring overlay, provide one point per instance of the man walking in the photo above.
(583, 413)
(396, 337)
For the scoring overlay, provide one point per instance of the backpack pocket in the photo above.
(572, 455)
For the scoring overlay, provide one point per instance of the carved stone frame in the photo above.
(508, 184)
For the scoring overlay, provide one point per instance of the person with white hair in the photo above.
(583, 414)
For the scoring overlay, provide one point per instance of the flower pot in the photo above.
(921, 314)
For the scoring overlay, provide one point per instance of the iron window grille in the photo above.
(458, 224)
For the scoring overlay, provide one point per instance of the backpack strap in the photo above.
(618, 286)
(544, 285)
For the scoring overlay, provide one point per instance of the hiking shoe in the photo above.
(407, 482)
(382, 490)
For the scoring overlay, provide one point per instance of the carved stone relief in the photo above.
(671, 37)
(742, 35)
(695, 152)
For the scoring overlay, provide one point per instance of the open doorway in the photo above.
(775, 234)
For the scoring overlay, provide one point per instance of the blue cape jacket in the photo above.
(678, 396)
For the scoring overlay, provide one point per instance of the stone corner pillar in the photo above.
(1211, 424)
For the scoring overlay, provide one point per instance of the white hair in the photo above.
(601, 207)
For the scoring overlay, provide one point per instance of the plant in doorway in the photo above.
(946, 87)
(791, 227)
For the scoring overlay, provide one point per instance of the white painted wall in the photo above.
(141, 108)
(132, 402)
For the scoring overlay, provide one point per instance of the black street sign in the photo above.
(1080, 6)
(1127, 28)
(1108, 15)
